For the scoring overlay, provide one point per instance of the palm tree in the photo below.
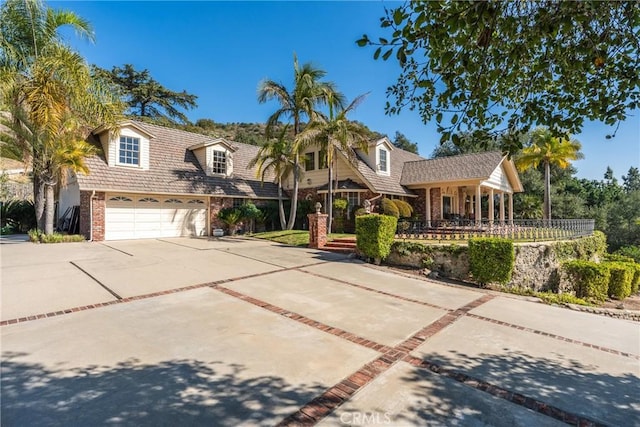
(334, 134)
(548, 150)
(51, 96)
(275, 157)
(301, 102)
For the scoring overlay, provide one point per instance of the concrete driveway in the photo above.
(246, 332)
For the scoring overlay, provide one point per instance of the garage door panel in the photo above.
(142, 216)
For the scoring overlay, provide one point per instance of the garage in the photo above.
(131, 216)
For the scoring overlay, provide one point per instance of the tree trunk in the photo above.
(49, 210)
(547, 191)
(330, 199)
(294, 196)
(38, 200)
(283, 219)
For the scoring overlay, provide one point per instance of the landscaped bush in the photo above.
(230, 217)
(375, 234)
(20, 215)
(618, 258)
(491, 259)
(583, 248)
(404, 209)
(620, 277)
(36, 236)
(389, 208)
(589, 279)
(630, 251)
(635, 282)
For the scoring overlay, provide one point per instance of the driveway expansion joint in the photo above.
(102, 285)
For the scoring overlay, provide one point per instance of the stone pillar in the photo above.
(317, 230)
(502, 208)
(92, 212)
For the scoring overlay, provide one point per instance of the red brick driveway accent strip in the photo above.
(516, 398)
(323, 405)
(554, 336)
(144, 296)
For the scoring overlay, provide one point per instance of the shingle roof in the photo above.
(174, 169)
(455, 168)
(388, 184)
(346, 184)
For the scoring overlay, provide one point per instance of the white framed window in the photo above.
(353, 199)
(219, 162)
(382, 157)
(129, 151)
(238, 203)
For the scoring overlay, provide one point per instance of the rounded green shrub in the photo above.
(375, 234)
(620, 277)
(635, 282)
(491, 259)
(340, 204)
(389, 208)
(589, 279)
(404, 209)
(630, 251)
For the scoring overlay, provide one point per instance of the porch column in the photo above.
(427, 214)
(478, 210)
(491, 206)
(502, 207)
(510, 208)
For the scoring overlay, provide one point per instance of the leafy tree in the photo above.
(468, 142)
(307, 94)
(548, 150)
(275, 157)
(51, 98)
(528, 207)
(334, 134)
(145, 97)
(504, 65)
(631, 181)
(402, 142)
(623, 222)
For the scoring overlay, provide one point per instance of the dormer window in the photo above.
(219, 162)
(382, 156)
(129, 151)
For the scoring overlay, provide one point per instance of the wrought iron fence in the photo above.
(534, 230)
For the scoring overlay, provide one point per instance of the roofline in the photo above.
(111, 190)
(210, 142)
(516, 175)
(102, 128)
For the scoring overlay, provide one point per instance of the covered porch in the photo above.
(468, 204)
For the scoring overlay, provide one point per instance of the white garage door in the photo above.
(143, 217)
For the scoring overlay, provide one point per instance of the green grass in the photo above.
(294, 237)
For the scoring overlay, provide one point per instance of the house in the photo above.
(438, 189)
(151, 181)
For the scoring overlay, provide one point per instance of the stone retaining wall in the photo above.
(536, 267)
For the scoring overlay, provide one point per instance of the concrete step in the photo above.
(345, 240)
(339, 250)
(335, 244)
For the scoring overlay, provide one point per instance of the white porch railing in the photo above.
(518, 229)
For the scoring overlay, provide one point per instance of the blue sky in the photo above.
(220, 51)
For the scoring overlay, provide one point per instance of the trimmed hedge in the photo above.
(635, 282)
(620, 277)
(389, 208)
(375, 234)
(588, 247)
(589, 279)
(491, 259)
(618, 258)
(405, 209)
